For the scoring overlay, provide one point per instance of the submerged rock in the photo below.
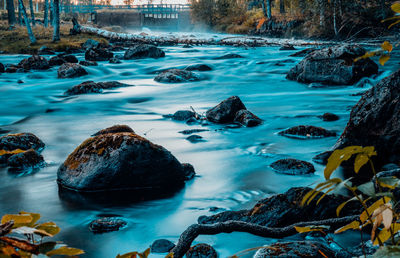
(176, 75)
(90, 43)
(114, 60)
(374, 121)
(225, 111)
(329, 117)
(334, 65)
(161, 246)
(34, 62)
(98, 54)
(93, 87)
(2, 68)
(143, 51)
(195, 138)
(182, 115)
(71, 70)
(322, 158)
(115, 129)
(293, 167)
(106, 224)
(306, 132)
(121, 161)
(303, 52)
(202, 251)
(88, 63)
(285, 209)
(198, 67)
(287, 47)
(246, 118)
(191, 131)
(296, 249)
(229, 56)
(26, 159)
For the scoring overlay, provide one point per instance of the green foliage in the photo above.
(25, 224)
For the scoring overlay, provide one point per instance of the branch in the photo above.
(6, 228)
(193, 231)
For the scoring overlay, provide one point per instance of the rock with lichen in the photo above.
(201, 251)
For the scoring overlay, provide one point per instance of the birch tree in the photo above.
(56, 20)
(46, 13)
(27, 24)
(32, 12)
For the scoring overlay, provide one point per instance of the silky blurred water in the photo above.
(232, 165)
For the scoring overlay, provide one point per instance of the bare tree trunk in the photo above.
(46, 13)
(27, 24)
(32, 12)
(19, 16)
(269, 15)
(282, 6)
(56, 20)
(322, 12)
(51, 12)
(335, 29)
(383, 9)
(11, 12)
(263, 8)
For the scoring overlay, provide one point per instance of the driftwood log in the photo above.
(144, 38)
(6, 228)
(193, 231)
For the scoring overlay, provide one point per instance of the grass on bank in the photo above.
(16, 41)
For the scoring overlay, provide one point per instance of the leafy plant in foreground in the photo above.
(21, 235)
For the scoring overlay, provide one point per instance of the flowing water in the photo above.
(232, 164)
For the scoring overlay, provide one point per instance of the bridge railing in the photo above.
(146, 9)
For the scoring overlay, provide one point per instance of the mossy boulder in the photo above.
(121, 160)
(23, 141)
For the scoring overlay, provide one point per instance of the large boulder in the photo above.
(71, 70)
(176, 76)
(143, 51)
(98, 54)
(285, 209)
(334, 66)
(34, 62)
(297, 249)
(22, 141)
(93, 87)
(225, 112)
(121, 161)
(375, 121)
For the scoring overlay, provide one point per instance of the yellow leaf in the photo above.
(310, 228)
(49, 227)
(337, 157)
(65, 250)
(394, 23)
(352, 225)
(361, 160)
(35, 217)
(383, 59)
(128, 255)
(396, 7)
(373, 207)
(19, 219)
(387, 46)
(170, 255)
(341, 206)
(16, 151)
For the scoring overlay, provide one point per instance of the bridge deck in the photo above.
(153, 9)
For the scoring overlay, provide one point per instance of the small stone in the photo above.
(115, 129)
(201, 251)
(225, 111)
(229, 56)
(106, 224)
(293, 167)
(20, 81)
(161, 246)
(195, 138)
(246, 118)
(93, 87)
(188, 169)
(176, 76)
(71, 70)
(329, 117)
(307, 132)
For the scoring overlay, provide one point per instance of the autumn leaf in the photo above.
(383, 59)
(387, 46)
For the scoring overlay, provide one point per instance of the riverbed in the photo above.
(232, 164)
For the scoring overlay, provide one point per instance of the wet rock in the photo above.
(56, 60)
(26, 159)
(93, 87)
(114, 60)
(246, 118)
(88, 63)
(374, 121)
(143, 51)
(198, 67)
(90, 43)
(161, 246)
(191, 131)
(229, 56)
(69, 58)
(106, 224)
(285, 209)
(296, 249)
(304, 52)
(20, 81)
(176, 76)
(188, 170)
(121, 161)
(334, 66)
(225, 111)
(115, 129)
(22, 141)
(98, 54)
(182, 115)
(201, 251)
(322, 158)
(390, 166)
(34, 62)
(307, 131)
(70, 70)
(293, 167)
(43, 50)
(15, 69)
(195, 138)
(287, 47)
(329, 117)
(187, 46)
(364, 82)
(2, 68)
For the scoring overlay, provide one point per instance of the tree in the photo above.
(32, 12)
(282, 6)
(26, 20)
(46, 13)
(11, 12)
(56, 20)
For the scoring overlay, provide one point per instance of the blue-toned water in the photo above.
(232, 165)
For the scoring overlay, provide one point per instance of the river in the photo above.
(232, 164)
